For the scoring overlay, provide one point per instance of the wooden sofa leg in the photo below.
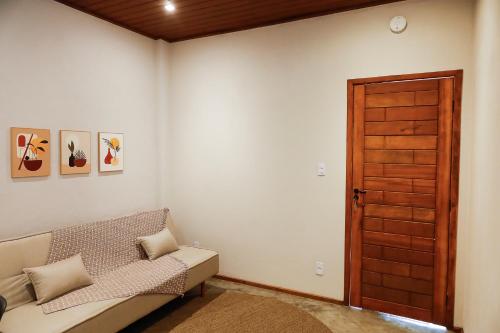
(202, 289)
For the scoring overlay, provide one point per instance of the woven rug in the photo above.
(235, 312)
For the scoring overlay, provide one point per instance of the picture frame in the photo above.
(30, 152)
(75, 152)
(110, 151)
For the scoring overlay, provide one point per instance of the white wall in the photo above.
(250, 116)
(63, 69)
(482, 306)
(253, 112)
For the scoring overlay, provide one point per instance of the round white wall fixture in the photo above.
(398, 24)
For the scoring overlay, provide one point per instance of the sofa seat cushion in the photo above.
(192, 256)
(109, 315)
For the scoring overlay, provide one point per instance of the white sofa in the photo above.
(104, 316)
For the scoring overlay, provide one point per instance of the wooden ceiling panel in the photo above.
(198, 18)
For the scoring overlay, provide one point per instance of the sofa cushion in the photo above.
(110, 315)
(58, 278)
(158, 244)
(17, 290)
(29, 251)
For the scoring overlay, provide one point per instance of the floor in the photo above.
(338, 318)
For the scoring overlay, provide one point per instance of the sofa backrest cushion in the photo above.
(20, 253)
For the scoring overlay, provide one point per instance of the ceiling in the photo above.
(198, 18)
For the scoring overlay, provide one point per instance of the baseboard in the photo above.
(280, 289)
(458, 330)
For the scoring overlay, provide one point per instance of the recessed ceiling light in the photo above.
(169, 6)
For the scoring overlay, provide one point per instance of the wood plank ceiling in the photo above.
(198, 18)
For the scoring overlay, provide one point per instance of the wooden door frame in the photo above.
(457, 75)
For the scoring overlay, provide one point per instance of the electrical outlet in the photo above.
(196, 244)
(321, 169)
(320, 268)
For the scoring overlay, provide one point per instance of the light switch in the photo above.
(321, 169)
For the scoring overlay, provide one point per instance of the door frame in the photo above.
(457, 75)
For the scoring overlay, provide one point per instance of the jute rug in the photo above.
(239, 313)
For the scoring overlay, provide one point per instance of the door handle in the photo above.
(357, 193)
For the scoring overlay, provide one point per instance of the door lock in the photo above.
(357, 193)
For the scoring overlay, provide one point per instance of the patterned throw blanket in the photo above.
(116, 261)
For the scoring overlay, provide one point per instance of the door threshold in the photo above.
(405, 320)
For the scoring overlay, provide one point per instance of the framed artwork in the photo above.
(74, 152)
(30, 152)
(110, 151)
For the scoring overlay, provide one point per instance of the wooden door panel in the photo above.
(390, 99)
(389, 267)
(375, 114)
(389, 156)
(407, 256)
(425, 157)
(424, 186)
(398, 255)
(426, 127)
(372, 224)
(372, 278)
(391, 87)
(407, 284)
(397, 309)
(374, 170)
(405, 228)
(409, 199)
(372, 251)
(421, 301)
(412, 113)
(390, 128)
(409, 171)
(386, 294)
(386, 239)
(411, 142)
(388, 212)
(424, 215)
(426, 97)
(374, 197)
(388, 184)
(422, 272)
(422, 244)
(402, 138)
(374, 142)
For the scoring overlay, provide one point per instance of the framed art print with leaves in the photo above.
(110, 151)
(74, 149)
(30, 152)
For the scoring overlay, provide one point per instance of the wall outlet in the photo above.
(321, 169)
(196, 244)
(320, 268)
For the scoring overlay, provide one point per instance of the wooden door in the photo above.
(400, 197)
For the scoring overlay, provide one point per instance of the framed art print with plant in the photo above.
(30, 152)
(110, 151)
(74, 148)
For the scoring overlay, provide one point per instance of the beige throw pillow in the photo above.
(159, 244)
(17, 290)
(53, 280)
